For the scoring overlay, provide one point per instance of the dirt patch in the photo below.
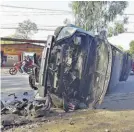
(84, 121)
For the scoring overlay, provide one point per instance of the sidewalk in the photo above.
(5, 70)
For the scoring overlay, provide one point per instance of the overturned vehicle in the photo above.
(121, 67)
(76, 68)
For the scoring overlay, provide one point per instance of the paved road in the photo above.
(17, 84)
(14, 83)
(124, 87)
(121, 97)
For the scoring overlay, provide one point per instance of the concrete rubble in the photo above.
(19, 112)
(25, 107)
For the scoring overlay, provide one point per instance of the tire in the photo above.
(32, 82)
(13, 71)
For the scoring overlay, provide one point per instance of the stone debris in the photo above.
(25, 108)
(13, 95)
(18, 112)
(39, 108)
(25, 93)
(71, 123)
(106, 130)
(15, 107)
(9, 121)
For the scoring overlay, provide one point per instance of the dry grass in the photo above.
(86, 121)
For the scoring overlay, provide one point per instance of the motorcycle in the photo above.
(17, 68)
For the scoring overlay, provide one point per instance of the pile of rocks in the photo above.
(18, 112)
(25, 107)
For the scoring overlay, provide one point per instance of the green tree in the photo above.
(116, 29)
(26, 29)
(95, 15)
(119, 28)
(131, 50)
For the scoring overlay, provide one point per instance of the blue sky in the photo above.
(122, 39)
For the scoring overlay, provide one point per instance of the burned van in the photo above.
(75, 67)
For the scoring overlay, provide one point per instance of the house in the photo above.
(12, 52)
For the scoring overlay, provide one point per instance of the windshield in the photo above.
(66, 32)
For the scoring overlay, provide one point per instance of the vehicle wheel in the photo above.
(13, 71)
(32, 82)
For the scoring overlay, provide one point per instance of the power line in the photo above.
(45, 29)
(10, 6)
(130, 22)
(34, 14)
(24, 11)
(19, 13)
(129, 32)
(129, 14)
(17, 28)
(28, 12)
(13, 24)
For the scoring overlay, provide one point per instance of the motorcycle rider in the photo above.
(29, 61)
(24, 63)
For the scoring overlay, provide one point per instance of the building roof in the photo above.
(21, 41)
(38, 44)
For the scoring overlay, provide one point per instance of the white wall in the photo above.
(11, 59)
